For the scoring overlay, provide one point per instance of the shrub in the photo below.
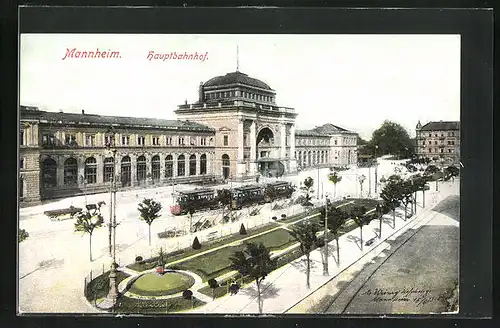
(138, 258)
(187, 294)
(243, 231)
(274, 218)
(283, 216)
(212, 283)
(196, 243)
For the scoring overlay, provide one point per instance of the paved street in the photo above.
(415, 275)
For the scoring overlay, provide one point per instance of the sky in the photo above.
(353, 81)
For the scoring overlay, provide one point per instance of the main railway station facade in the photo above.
(235, 130)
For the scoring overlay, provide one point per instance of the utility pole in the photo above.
(325, 265)
(110, 224)
(318, 184)
(369, 181)
(113, 287)
(376, 167)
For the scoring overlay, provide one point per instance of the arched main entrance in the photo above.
(49, 173)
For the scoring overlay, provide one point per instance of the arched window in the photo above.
(91, 170)
(169, 166)
(21, 188)
(155, 168)
(192, 165)
(109, 169)
(203, 164)
(126, 168)
(225, 166)
(49, 173)
(181, 166)
(141, 168)
(70, 171)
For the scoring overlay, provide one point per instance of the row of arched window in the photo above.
(49, 169)
(307, 158)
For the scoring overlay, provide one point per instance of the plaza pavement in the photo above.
(54, 260)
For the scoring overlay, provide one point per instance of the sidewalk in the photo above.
(279, 294)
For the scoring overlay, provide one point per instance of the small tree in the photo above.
(196, 243)
(162, 259)
(358, 214)
(390, 196)
(305, 234)
(334, 178)
(452, 171)
(150, 211)
(224, 197)
(336, 220)
(255, 261)
(406, 195)
(307, 185)
(243, 231)
(22, 235)
(87, 221)
(212, 283)
(379, 214)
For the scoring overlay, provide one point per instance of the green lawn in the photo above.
(153, 284)
(216, 263)
(131, 305)
(151, 263)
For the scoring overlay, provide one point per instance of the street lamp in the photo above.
(376, 167)
(361, 179)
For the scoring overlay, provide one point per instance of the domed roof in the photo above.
(236, 77)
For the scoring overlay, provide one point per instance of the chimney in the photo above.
(83, 112)
(200, 93)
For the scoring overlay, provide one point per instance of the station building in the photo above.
(234, 130)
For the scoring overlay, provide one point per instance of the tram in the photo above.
(195, 200)
(237, 198)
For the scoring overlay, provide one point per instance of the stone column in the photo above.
(133, 170)
(293, 159)
(81, 170)
(149, 169)
(253, 149)
(162, 166)
(186, 164)
(60, 171)
(240, 164)
(198, 163)
(100, 168)
(174, 166)
(283, 141)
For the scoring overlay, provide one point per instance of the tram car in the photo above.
(195, 200)
(247, 195)
(279, 189)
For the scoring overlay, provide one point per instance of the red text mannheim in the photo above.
(97, 53)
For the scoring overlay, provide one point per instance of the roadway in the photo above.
(418, 274)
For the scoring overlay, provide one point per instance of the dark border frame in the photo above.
(476, 28)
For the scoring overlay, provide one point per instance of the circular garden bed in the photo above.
(154, 284)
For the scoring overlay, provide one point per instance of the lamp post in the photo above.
(369, 181)
(361, 179)
(318, 184)
(113, 287)
(325, 265)
(376, 167)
